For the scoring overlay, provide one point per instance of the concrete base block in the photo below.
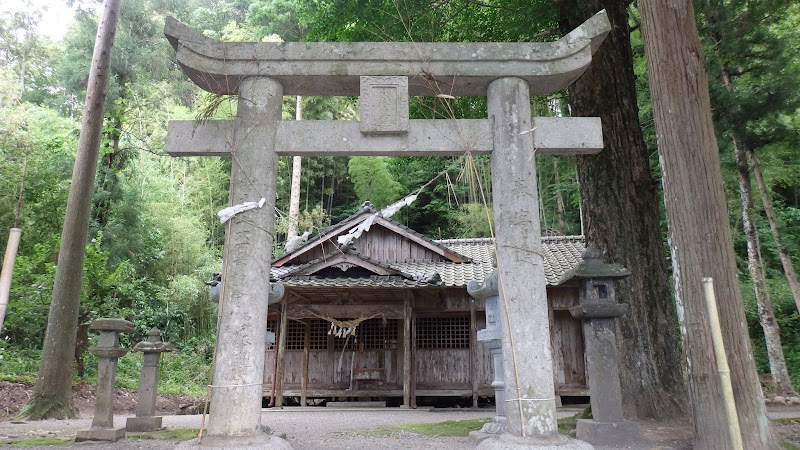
(100, 434)
(141, 424)
(608, 433)
(477, 436)
(489, 429)
(258, 441)
(508, 441)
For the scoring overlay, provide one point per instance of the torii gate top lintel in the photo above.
(334, 68)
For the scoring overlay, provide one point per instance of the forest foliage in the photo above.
(154, 234)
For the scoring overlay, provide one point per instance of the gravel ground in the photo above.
(306, 429)
(321, 428)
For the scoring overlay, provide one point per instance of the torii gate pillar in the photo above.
(530, 400)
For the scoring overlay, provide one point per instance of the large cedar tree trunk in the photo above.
(699, 231)
(620, 200)
(52, 393)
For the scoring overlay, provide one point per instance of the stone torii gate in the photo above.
(384, 75)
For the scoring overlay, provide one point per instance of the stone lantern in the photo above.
(490, 337)
(152, 347)
(598, 309)
(107, 352)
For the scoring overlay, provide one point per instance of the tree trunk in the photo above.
(52, 393)
(620, 201)
(699, 232)
(560, 207)
(786, 261)
(294, 195)
(766, 316)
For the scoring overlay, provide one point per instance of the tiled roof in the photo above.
(561, 253)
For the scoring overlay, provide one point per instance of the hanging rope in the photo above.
(342, 328)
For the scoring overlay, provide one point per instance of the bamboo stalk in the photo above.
(723, 370)
(8, 268)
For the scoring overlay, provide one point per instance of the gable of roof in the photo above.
(328, 237)
(344, 262)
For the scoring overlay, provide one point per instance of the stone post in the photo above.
(597, 310)
(145, 419)
(524, 323)
(107, 352)
(490, 337)
(236, 391)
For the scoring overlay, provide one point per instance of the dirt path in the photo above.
(321, 428)
(317, 428)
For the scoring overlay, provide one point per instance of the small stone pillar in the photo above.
(107, 353)
(490, 337)
(597, 310)
(145, 419)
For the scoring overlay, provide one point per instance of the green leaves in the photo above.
(372, 180)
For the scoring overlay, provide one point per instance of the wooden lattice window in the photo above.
(318, 334)
(295, 335)
(379, 333)
(376, 334)
(442, 332)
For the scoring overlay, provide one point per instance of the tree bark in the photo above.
(699, 233)
(786, 261)
(294, 195)
(781, 381)
(52, 393)
(620, 201)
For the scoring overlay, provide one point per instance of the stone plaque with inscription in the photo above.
(384, 105)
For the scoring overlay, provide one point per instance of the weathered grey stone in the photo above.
(152, 347)
(602, 369)
(599, 311)
(384, 105)
(508, 441)
(100, 434)
(555, 135)
(258, 441)
(593, 266)
(143, 424)
(109, 324)
(235, 408)
(604, 433)
(114, 353)
(334, 68)
(530, 392)
(490, 337)
(153, 343)
(107, 352)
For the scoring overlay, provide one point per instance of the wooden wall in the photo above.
(379, 244)
(437, 371)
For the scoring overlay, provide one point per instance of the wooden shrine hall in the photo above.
(387, 316)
